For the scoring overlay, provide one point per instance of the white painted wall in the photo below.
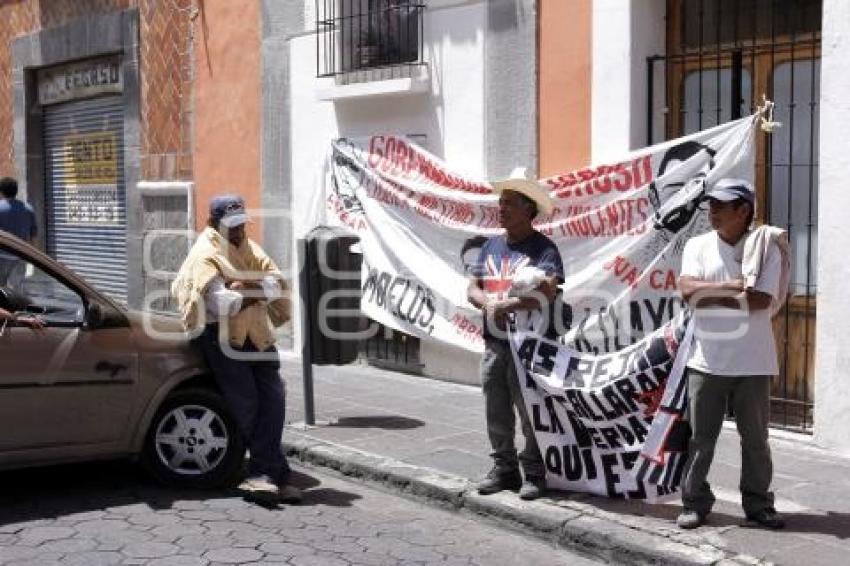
(649, 34)
(832, 355)
(611, 91)
(625, 33)
(451, 117)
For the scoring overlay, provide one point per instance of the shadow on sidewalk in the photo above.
(315, 495)
(832, 523)
(53, 492)
(385, 422)
(636, 508)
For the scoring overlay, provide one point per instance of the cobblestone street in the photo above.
(111, 514)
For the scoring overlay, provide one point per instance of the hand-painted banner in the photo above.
(620, 227)
(609, 424)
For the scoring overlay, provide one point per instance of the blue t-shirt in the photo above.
(498, 261)
(18, 218)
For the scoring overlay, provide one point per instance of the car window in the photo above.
(25, 287)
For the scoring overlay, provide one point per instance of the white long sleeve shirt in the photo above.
(223, 302)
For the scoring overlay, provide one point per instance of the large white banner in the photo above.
(620, 228)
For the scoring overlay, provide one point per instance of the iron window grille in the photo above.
(721, 56)
(393, 350)
(357, 35)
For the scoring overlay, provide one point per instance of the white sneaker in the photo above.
(289, 494)
(259, 487)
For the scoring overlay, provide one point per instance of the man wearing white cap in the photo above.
(733, 355)
(494, 289)
(231, 290)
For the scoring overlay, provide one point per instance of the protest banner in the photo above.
(598, 389)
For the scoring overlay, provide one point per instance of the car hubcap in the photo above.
(191, 440)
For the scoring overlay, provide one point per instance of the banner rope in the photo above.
(765, 112)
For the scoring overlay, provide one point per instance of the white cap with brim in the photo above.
(229, 210)
(727, 190)
(235, 220)
(522, 181)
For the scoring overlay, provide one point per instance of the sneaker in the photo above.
(259, 487)
(690, 519)
(289, 494)
(532, 488)
(497, 481)
(767, 518)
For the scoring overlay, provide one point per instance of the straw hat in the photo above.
(522, 181)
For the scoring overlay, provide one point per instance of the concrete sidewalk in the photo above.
(428, 437)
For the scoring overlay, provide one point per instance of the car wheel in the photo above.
(193, 441)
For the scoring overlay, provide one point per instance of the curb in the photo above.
(573, 525)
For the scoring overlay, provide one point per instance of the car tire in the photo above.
(193, 441)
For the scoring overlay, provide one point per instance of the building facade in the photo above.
(122, 117)
(610, 76)
(659, 69)
(457, 77)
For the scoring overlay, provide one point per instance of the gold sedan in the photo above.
(91, 379)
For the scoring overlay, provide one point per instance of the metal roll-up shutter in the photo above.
(85, 192)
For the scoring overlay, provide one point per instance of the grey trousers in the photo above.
(501, 395)
(707, 398)
(12, 273)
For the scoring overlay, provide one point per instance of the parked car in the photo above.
(103, 381)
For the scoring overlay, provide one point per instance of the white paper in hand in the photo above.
(526, 279)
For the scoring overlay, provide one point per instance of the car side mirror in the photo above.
(94, 315)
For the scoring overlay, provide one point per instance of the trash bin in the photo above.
(331, 292)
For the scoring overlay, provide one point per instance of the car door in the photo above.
(70, 384)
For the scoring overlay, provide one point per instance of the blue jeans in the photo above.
(254, 392)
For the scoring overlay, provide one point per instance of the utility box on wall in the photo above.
(168, 211)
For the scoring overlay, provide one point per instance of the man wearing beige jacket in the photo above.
(230, 291)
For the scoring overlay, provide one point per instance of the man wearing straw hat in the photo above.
(517, 273)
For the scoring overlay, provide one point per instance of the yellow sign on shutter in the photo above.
(91, 178)
(92, 159)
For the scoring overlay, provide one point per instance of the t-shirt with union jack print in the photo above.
(499, 260)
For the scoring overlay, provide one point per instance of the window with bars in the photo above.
(356, 35)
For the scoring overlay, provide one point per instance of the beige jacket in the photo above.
(756, 245)
(212, 256)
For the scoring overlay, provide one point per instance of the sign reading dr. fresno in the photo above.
(82, 79)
